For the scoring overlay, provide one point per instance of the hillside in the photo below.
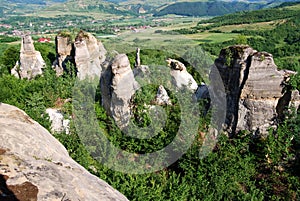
(195, 7)
(207, 8)
(275, 30)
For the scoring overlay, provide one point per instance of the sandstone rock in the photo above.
(35, 166)
(89, 55)
(117, 87)
(31, 62)
(58, 122)
(137, 58)
(180, 77)
(253, 88)
(162, 97)
(140, 70)
(86, 54)
(64, 51)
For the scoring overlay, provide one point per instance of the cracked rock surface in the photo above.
(35, 166)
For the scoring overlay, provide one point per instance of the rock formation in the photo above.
(162, 97)
(31, 62)
(202, 92)
(89, 55)
(86, 54)
(254, 89)
(35, 166)
(58, 122)
(180, 77)
(65, 53)
(139, 69)
(117, 87)
(137, 58)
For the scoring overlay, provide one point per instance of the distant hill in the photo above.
(89, 6)
(214, 8)
(40, 2)
(196, 7)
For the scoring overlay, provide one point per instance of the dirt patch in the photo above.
(2, 151)
(21, 192)
(25, 191)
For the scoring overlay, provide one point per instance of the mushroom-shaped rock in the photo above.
(180, 77)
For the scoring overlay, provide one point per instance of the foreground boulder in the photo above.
(254, 89)
(35, 166)
(31, 62)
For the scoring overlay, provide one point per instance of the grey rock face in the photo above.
(202, 92)
(64, 53)
(89, 55)
(253, 88)
(141, 71)
(117, 87)
(31, 62)
(180, 77)
(162, 97)
(86, 53)
(37, 165)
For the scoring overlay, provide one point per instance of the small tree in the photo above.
(241, 40)
(10, 56)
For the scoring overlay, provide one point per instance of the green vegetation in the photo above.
(282, 41)
(264, 15)
(238, 168)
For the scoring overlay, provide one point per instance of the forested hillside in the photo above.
(282, 40)
(206, 8)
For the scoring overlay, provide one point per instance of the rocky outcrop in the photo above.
(117, 87)
(35, 166)
(31, 62)
(89, 55)
(140, 70)
(64, 51)
(58, 123)
(162, 97)
(202, 92)
(254, 88)
(86, 53)
(180, 77)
